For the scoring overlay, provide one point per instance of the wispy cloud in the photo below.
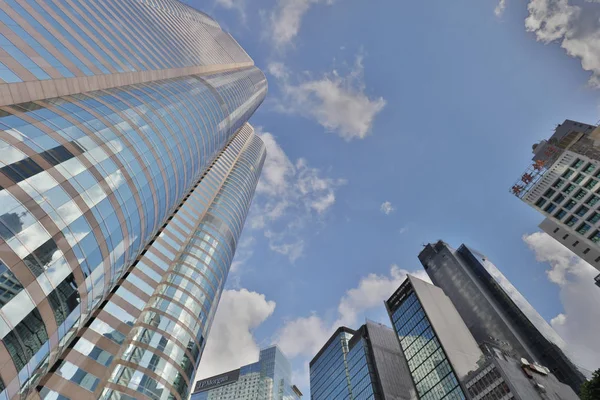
(576, 27)
(337, 102)
(243, 253)
(237, 5)
(499, 10)
(387, 208)
(579, 323)
(291, 199)
(281, 243)
(304, 336)
(285, 19)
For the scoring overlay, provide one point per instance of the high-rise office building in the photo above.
(376, 365)
(329, 378)
(268, 379)
(366, 364)
(501, 376)
(126, 171)
(562, 184)
(494, 310)
(437, 345)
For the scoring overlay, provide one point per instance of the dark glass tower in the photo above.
(494, 310)
(127, 168)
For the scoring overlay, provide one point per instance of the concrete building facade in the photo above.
(502, 377)
(562, 184)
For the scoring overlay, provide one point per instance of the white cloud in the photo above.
(387, 208)
(278, 70)
(559, 320)
(278, 242)
(286, 18)
(321, 205)
(277, 169)
(230, 3)
(237, 5)
(338, 103)
(302, 378)
(303, 336)
(243, 253)
(372, 290)
(564, 263)
(306, 335)
(499, 10)
(231, 343)
(579, 324)
(403, 230)
(319, 192)
(289, 198)
(577, 28)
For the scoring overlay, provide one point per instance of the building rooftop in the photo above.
(566, 136)
(526, 380)
(331, 339)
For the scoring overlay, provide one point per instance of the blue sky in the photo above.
(390, 124)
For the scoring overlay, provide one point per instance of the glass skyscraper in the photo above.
(268, 379)
(438, 347)
(494, 310)
(329, 377)
(127, 168)
(366, 364)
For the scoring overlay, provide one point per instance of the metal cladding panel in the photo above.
(390, 364)
(456, 339)
(525, 387)
(494, 310)
(477, 307)
(515, 296)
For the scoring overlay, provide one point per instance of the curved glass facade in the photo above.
(163, 348)
(126, 171)
(54, 39)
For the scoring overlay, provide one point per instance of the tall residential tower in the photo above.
(562, 184)
(494, 310)
(127, 168)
